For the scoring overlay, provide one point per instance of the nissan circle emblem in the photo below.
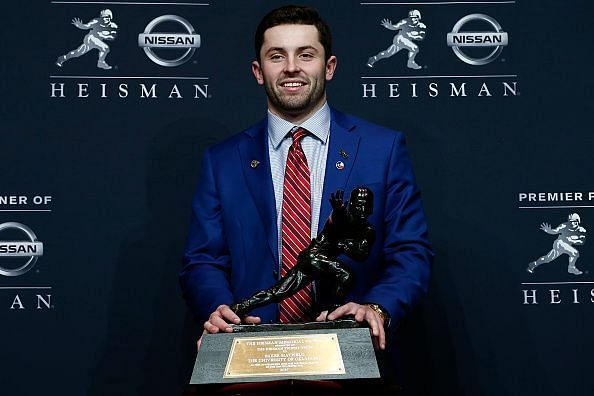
(149, 39)
(30, 248)
(496, 39)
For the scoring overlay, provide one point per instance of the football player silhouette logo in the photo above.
(571, 234)
(101, 29)
(409, 30)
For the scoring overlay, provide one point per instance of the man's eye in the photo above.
(307, 55)
(276, 57)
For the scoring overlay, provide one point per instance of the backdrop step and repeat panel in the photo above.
(101, 144)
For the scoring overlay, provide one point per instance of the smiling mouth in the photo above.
(293, 84)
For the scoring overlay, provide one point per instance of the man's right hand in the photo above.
(220, 319)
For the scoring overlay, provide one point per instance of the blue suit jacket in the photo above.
(232, 248)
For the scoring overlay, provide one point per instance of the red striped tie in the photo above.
(296, 226)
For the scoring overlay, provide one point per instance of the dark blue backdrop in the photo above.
(121, 172)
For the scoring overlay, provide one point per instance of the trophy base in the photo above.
(337, 350)
(334, 324)
(296, 387)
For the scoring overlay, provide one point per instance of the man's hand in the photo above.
(220, 319)
(362, 313)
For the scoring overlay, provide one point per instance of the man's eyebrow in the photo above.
(275, 49)
(281, 49)
(308, 47)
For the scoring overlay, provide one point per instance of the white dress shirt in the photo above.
(315, 147)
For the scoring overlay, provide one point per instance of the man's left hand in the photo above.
(362, 313)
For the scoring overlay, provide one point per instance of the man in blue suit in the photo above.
(235, 237)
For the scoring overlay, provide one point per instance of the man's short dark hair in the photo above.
(294, 15)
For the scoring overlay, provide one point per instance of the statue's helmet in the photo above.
(574, 217)
(106, 13)
(361, 201)
(414, 14)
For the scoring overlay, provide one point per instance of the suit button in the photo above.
(275, 274)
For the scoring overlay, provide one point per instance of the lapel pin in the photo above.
(344, 154)
(254, 164)
(340, 165)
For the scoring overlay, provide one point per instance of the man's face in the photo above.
(106, 19)
(293, 70)
(574, 223)
(415, 20)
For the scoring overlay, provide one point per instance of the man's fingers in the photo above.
(343, 310)
(337, 313)
(252, 320)
(373, 323)
(381, 334)
(229, 315)
(209, 327)
(199, 342)
(360, 314)
(219, 320)
(382, 337)
(366, 314)
(220, 323)
(377, 327)
(322, 316)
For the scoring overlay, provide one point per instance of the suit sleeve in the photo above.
(204, 278)
(406, 251)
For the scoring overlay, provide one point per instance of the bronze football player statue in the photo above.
(346, 231)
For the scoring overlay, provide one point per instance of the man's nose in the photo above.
(292, 65)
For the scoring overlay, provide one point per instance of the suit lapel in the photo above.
(259, 180)
(342, 141)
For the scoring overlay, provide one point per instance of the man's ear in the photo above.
(257, 71)
(331, 67)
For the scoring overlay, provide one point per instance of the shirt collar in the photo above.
(318, 125)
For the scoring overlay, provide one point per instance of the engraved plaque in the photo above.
(336, 350)
(307, 354)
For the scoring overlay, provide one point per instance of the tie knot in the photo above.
(297, 134)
